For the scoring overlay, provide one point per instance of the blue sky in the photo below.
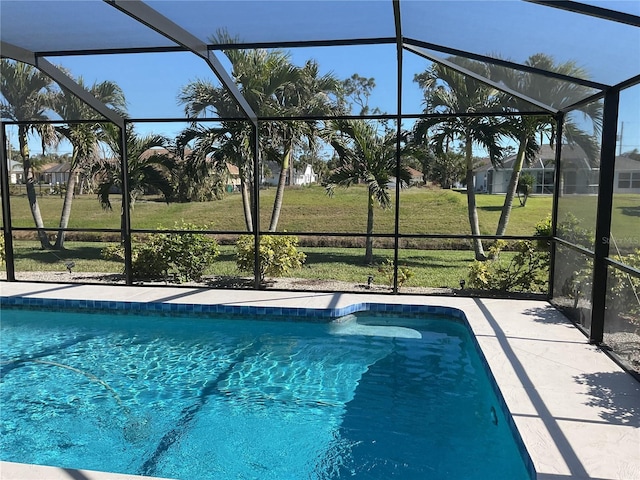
(151, 82)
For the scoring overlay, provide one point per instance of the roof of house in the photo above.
(414, 172)
(627, 163)
(55, 168)
(234, 171)
(482, 164)
(545, 158)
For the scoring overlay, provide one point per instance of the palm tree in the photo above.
(26, 96)
(148, 167)
(308, 95)
(230, 141)
(368, 157)
(202, 171)
(84, 137)
(272, 86)
(448, 91)
(525, 130)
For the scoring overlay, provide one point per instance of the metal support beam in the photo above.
(146, 15)
(556, 199)
(591, 10)
(6, 207)
(506, 63)
(498, 86)
(62, 79)
(396, 240)
(126, 209)
(603, 218)
(257, 267)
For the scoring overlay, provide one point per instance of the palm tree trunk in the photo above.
(66, 209)
(31, 189)
(368, 253)
(277, 203)
(246, 204)
(513, 187)
(471, 203)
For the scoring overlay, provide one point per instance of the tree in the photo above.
(448, 168)
(365, 156)
(230, 141)
(84, 137)
(309, 95)
(525, 187)
(357, 90)
(148, 167)
(447, 91)
(26, 96)
(272, 86)
(526, 129)
(200, 174)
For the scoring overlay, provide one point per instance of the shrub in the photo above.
(3, 255)
(569, 229)
(278, 254)
(525, 187)
(527, 271)
(404, 273)
(182, 256)
(543, 229)
(624, 289)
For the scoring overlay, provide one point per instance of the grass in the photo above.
(430, 268)
(309, 209)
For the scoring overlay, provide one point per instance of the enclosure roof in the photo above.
(602, 37)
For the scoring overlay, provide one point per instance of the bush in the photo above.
(569, 229)
(3, 255)
(526, 271)
(182, 257)
(404, 273)
(525, 187)
(278, 254)
(624, 288)
(543, 229)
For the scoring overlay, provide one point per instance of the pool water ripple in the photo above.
(241, 398)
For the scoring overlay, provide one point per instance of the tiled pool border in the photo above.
(315, 314)
(309, 313)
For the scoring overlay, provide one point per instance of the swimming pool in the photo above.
(367, 395)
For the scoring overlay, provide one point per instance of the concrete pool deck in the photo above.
(577, 412)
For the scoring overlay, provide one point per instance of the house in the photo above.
(304, 176)
(481, 174)
(233, 178)
(54, 173)
(16, 172)
(627, 175)
(580, 175)
(416, 177)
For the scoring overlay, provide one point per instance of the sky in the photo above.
(151, 82)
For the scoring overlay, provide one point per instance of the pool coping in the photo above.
(574, 408)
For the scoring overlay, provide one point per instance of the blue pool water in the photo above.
(366, 396)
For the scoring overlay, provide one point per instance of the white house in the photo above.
(305, 176)
(16, 172)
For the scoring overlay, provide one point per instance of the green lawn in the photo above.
(431, 268)
(422, 211)
(310, 210)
